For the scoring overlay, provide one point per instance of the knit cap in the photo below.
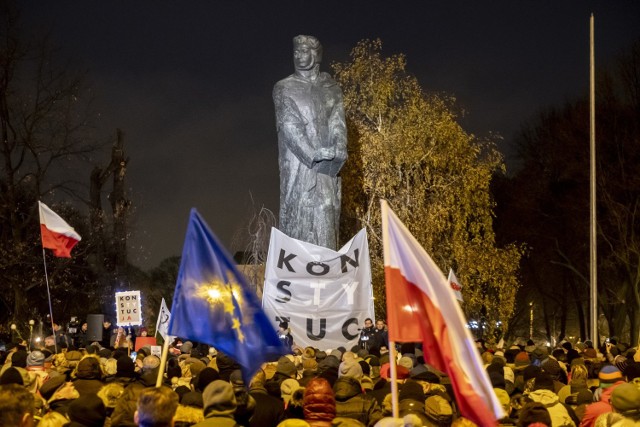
(219, 397)
(206, 377)
(608, 375)
(87, 410)
(89, 369)
(186, 347)
(406, 362)
(125, 368)
(19, 359)
(412, 390)
(11, 376)
(626, 399)
(286, 367)
(350, 368)
(349, 356)
(150, 362)
(521, 359)
(35, 358)
(552, 367)
(401, 371)
(309, 364)
(590, 353)
(438, 410)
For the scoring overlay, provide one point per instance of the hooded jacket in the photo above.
(559, 415)
(352, 403)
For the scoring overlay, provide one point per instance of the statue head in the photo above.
(307, 52)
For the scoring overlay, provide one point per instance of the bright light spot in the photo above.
(548, 344)
(38, 339)
(408, 308)
(214, 293)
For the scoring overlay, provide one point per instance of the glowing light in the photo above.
(408, 308)
(38, 339)
(214, 294)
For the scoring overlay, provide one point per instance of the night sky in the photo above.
(190, 83)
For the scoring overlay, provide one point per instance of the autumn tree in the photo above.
(405, 146)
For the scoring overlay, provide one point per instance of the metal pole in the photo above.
(46, 276)
(592, 201)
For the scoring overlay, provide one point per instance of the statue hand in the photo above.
(325, 153)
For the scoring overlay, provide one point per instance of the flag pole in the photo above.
(395, 411)
(592, 194)
(46, 277)
(163, 362)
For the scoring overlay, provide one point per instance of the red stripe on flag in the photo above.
(60, 243)
(412, 316)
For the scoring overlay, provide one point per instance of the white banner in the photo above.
(325, 295)
(128, 308)
(162, 325)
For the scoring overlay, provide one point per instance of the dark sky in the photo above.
(190, 82)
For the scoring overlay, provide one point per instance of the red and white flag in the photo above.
(455, 284)
(56, 233)
(421, 307)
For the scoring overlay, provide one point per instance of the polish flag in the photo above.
(455, 284)
(422, 307)
(56, 233)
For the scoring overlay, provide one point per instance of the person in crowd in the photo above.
(156, 407)
(381, 335)
(284, 333)
(367, 335)
(610, 378)
(219, 405)
(17, 406)
(269, 409)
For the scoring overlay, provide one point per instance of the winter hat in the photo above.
(626, 399)
(150, 362)
(366, 369)
(632, 370)
(287, 387)
(125, 368)
(349, 355)
(372, 360)
(497, 379)
(12, 376)
(540, 353)
(438, 410)
(192, 398)
(608, 375)
(337, 353)
(35, 358)
(521, 359)
(195, 366)
(534, 412)
(219, 397)
(421, 373)
(87, 410)
(350, 368)
(401, 371)
(530, 372)
(406, 362)
(543, 381)
(590, 353)
(362, 353)
(320, 356)
(412, 390)
(206, 377)
(580, 398)
(309, 364)
(19, 359)
(552, 367)
(286, 367)
(89, 369)
(105, 352)
(186, 348)
(51, 385)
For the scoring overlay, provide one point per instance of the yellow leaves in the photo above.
(405, 146)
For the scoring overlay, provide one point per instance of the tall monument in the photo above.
(312, 143)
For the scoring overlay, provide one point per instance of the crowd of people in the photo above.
(98, 385)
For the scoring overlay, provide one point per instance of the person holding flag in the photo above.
(214, 304)
(422, 307)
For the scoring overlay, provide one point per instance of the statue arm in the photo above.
(291, 127)
(338, 131)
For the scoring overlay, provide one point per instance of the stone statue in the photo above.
(312, 142)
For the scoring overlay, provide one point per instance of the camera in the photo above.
(72, 328)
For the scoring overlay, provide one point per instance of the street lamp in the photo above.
(531, 320)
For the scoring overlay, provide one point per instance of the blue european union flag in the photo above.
(213, 304)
